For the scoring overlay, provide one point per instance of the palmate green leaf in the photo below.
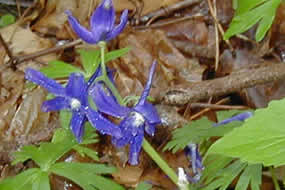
(47, 153)
(251, 12)
(31, 179)
(59, 69)
(261, 139)
(220, 171)
(86, 175)
(200, 130)
(84, 151)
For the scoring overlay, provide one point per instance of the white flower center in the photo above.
(107, 4)
(75, 104)
(139, 119)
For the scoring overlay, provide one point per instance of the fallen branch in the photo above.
(248, 77)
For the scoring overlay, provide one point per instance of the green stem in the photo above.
(146, 146)
(160, 162)
(105, 77)
(274, 178)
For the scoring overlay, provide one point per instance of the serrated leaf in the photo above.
(59, 69)
(116, 53)
(200, 130)
(84, 151)
(47, 153)
(90, 61)
(251, 175)
(260, 140)
(226, 176)
(251, 13)
(22, 181)
(143, 186)
(85, 175)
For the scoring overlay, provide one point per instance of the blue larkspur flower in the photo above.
(73, 97)
(102, 24)
(192, 153)
(143, 117)
(240, 117)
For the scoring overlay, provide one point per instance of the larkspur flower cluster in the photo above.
(143, 117)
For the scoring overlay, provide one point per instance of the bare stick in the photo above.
(245, 78)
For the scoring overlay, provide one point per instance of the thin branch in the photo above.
(165, 11)
(245, 78)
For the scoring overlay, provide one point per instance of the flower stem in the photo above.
(160, 162)
(274, 178)
(105, 77)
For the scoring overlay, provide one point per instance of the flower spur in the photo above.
(102, 24)
(73, 97)
(142, 117)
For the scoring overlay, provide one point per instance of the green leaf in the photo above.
(143, 186)
(252, 174)
(59, 69)
(41, 182)
(23, 181)
(220, 171)
(251, 12)
(47, 153)
(260, 140)
(64, 118)
(116, 53)
(226, 176)
(86, 175)
(84, 151)
(7, 19)
(200, 130)
(90, 61)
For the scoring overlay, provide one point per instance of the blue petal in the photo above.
(150, 128)
(81, 31)
(103, 125)
(103, 19)
(40, 79)
(55, 104)
(146, 90)
(76, 124)
(149, 112)
(120, 27)
(105, 101)
(135, 148)
(76, 86)
(240, 117)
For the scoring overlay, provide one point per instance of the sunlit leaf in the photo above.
(86, 175)
(90, 61)
(251, 12)
(59, 69)
(261, 139)
(7, 19)
(200, 130)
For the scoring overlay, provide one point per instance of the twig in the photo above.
(245, 78)
(214, 15)
(172, 21)
(167, 10)
(216, 106)
(23, 58)
(202, 112)
(212, 11)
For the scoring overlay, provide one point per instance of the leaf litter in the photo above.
(185, 51)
